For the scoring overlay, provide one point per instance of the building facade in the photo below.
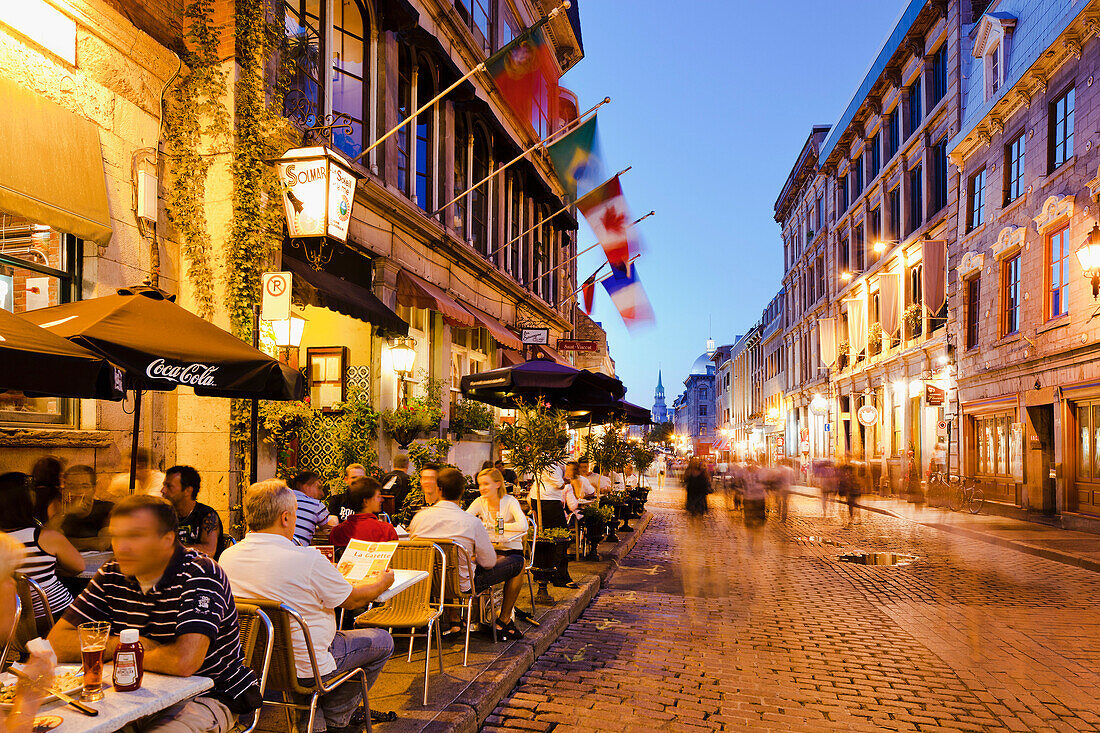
(1022, 315)
(463, 275)
(693, 410)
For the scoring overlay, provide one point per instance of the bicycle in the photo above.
(967, 496)
(940, 488)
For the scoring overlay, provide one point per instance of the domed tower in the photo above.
(660, 412)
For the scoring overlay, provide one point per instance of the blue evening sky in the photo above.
(711, 101)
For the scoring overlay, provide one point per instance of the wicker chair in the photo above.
(455, 597)
(11, 634)
(283, 676)
(252, 620)
(413, 608)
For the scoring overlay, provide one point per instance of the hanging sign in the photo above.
(538, 336)
(576, 345)
(867, 415)
(933, 395)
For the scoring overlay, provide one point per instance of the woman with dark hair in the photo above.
(45, 548)
(46, 488)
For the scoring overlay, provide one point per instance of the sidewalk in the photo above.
(462, 697)
(1080, 549)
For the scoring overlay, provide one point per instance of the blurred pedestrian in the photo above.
(754, 496)
(913, 493)
(697, 486)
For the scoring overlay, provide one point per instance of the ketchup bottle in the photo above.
(129, 662)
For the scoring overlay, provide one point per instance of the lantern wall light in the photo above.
(288, 333)
(318, 194)
(1088, 254)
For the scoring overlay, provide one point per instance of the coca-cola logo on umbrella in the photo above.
(192, 375)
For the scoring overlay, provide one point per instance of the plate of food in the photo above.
(68, 678)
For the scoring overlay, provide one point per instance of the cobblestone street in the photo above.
(711, 627)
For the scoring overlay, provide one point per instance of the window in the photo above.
(896, 425)
(425, 125)
(478, 15)
(842, 193)
(893, 134)
(404, 109)
(876, 153)
(874, 228)
(349, 72)
(916, 113)
(856, 172)
(916, 296)
(702, 410)
(1010, 295)
(39, 267)
(939, 73)
(939, 174)
(842, 254)
(1014, 169)
(972, 312)
(1058, 248)
(469, 347)
(1061, 129)
(994, 449)
(995, 67)
(857, 245)
(462, 157)
(819, 215)
(1088, 432)
(975, 208)
(304, 97)
(916, 198)
(821, 276)
(326, 369)
(479, 197)
(894, 203)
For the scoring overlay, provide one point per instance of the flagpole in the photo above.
(480, 67)
(597, 244)
(568, 128)
(533, 227)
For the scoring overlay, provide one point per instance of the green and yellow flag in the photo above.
(577, 160)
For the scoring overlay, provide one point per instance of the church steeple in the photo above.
(660, 393)
(659, 412)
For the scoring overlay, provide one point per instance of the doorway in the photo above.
(1041, 456)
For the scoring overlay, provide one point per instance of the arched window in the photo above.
(301, 19)
(425, 135)
(350, 70)
(548, 247)
(462, 148)
(479, 199)
(404, 109)
(509, 256)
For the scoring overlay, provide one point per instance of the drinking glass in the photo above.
(93, 641)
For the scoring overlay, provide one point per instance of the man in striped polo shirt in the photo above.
(312, 512)
(180, 602)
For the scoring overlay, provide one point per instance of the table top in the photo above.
(503, 539)
(402, 579)
(116, 709)
(94, 560)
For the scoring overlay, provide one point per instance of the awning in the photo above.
(53, 167)
(554, 354)
(414, 291)
(510, 357)
(325, 290)
(500, 332)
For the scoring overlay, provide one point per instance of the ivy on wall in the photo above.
(193, 114)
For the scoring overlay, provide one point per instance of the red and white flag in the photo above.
(588, 290)
(607, 213)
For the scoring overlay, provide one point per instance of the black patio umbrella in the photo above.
(160, 345)
(600, 414)
(559, 385)
(37, 362)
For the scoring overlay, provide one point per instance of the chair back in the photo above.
(282, 675)
(529, 541)
(452, 583)
(29, 623)
(253, 621)
(4, 659)
(413, 606)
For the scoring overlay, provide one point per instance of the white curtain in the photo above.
(857, 325)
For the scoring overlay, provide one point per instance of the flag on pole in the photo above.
(934, 274)
(629, 296)
(577, 160)
(588, 290)
(526, 76)
(827, 340)
(607, 213)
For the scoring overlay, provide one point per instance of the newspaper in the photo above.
(365, 560)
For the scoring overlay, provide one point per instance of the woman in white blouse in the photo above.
(495, 500)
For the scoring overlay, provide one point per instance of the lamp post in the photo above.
(403, 356)
(318, 194)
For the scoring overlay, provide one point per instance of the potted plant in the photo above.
(874, 338)
(842, 356)
(596, 519)
(551, 546)
(470, 416)
(912, 316)
(643, 457)
(536, 441)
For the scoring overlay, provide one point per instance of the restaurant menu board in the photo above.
(365, 560)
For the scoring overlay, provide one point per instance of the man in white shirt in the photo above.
(630, 480)
(446, 520)
(268, 564)
(586, 476)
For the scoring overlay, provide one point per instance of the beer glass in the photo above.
(93, 642)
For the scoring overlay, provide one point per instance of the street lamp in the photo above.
(845, 276)
(403, 357)
(318, 194)
(1088, 254)
(288, 333)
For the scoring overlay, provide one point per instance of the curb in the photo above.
(1066, 558)
(470, 709)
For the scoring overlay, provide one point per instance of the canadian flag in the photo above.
(607, 213)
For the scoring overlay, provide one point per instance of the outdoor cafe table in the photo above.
(402, 579)
(501, 540)
(158, 692)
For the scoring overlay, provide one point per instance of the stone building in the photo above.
(599, 360)
(694, 409)
(746, 423)
(723, 394)
(770, 380)
(463, 276)
(883, 188)
(1021, 311)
